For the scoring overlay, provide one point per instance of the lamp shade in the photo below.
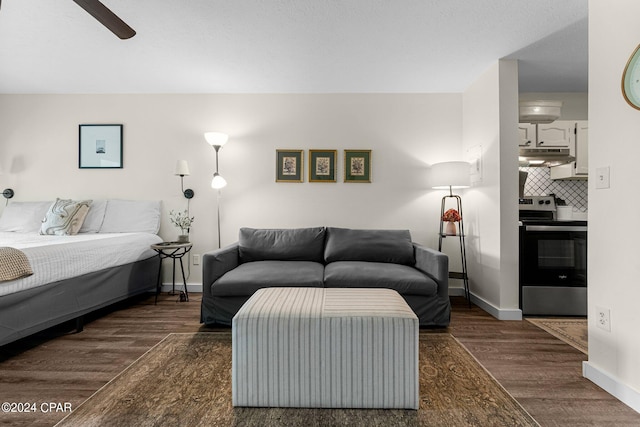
(216, 138)
(218, 181)
(182, 168)
(448, 175)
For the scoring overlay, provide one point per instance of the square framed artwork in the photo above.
(357, 165)
(322, 165)
(100, 147)
(289, 165)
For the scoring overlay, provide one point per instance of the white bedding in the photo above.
(55, 258)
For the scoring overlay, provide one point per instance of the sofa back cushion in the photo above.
(294, 244)
(393, 246)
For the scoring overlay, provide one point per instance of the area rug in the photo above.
(185, 380)
(572, 331)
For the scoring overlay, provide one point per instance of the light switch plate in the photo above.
(602, 177)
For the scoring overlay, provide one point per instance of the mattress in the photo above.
(55, 258)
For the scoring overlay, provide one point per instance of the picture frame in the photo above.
(289, 165)
(322, 165)
(100, 146)
(357, 166)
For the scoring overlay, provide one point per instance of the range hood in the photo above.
(544, 157)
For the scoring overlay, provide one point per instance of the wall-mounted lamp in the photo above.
(182, 169)
(217, 140)
(8, 193)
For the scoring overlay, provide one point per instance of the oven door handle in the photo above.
(555, 228)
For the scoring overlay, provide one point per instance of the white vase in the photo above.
(450, 229)
(183, 238)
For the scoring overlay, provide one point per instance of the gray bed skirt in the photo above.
(27, 312)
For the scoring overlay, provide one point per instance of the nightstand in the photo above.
(175, 251)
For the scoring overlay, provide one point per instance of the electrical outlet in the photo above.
(603, 318)
(196, 259)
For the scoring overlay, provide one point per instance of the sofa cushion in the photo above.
(392, 246)
(247, 278)
(294, 244)
(359, 274)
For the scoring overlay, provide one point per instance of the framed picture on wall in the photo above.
(322, 165)
(100, 147)
(357, 165)
(289, 165)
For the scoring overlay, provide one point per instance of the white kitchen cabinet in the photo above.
(557, 134)
(527, 134)
(582, 147)
(579, 169)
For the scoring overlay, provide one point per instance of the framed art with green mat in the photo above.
(289, 165)
(357, 165)
(322, 165)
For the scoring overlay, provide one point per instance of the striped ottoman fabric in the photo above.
(325, 348)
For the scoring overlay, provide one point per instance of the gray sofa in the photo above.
(327, 257)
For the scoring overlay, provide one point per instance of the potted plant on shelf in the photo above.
(183, 221)
(451, 217)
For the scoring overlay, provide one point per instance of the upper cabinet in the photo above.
(578, 169)
(557, 134)
(527, 135)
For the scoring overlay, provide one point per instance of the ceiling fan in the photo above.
(106, 17)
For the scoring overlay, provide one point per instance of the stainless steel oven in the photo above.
(553, 264)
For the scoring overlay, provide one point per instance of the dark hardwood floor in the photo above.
(61, 367)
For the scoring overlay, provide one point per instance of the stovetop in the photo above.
(576, 222)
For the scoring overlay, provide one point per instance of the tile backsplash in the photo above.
(539, 183)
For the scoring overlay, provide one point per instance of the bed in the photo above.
(107, 260)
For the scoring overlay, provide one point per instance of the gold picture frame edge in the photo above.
(335, 161)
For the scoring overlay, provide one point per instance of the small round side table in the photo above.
(175, 251)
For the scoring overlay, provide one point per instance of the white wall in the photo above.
(407, 133)
(614, 141)
(490, 117)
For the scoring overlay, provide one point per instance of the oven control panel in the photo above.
(537, 203)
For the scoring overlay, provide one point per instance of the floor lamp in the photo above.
(447, 176)
(217, 140)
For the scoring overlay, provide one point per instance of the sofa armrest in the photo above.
(434, 264)
(216, 263)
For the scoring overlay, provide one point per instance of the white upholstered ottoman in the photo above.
(325, 348)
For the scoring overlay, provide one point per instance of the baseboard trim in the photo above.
(498, 313)
(612, 385)
(191, 287)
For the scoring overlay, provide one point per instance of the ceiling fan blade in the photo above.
(107, 18)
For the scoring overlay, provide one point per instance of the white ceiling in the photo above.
(291, 46)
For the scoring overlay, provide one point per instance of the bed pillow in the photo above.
(65, 217)
(24, 217)
(131, 216)
(95, 216)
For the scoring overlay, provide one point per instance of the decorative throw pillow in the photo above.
(393, 246)
(95, 217)
(293, 244)
(65, 217)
